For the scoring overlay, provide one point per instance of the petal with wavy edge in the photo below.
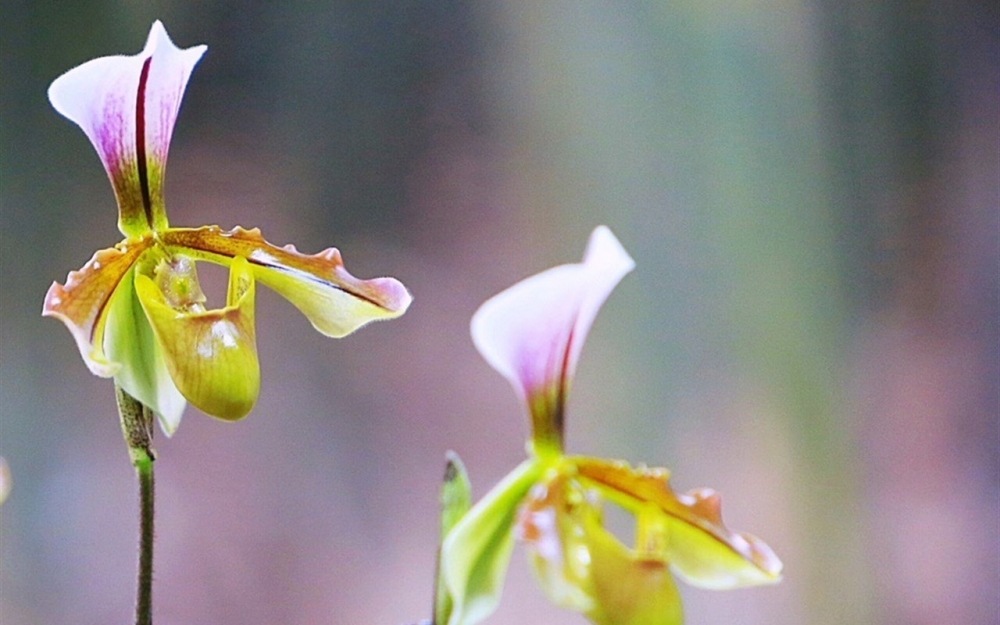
(583, 567)
(142, 371)
(211, 355)
(476, 552)
(83, 302)
(334, 301)
(700, 548)
(107, 97)
(532, 333)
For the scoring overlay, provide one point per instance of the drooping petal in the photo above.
(334, 301)
(700, 548)
(211, 355)
(475, 554)
(83, 302)
(533, 332)
(583, 567)
(141, 370)
(127, 106)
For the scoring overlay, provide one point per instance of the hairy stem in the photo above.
(137, 428)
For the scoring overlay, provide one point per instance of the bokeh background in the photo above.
(810, 190)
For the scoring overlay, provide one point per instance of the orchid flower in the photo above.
(532, 334)
(136, 310)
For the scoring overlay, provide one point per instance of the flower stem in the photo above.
(137, 428)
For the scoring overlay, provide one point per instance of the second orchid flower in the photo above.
(532, 334)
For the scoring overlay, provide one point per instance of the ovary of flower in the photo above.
(136, 311)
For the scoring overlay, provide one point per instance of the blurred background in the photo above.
(810, 191)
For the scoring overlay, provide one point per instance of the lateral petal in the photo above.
(82, 303)
(701, 549)
(334, 301)
(211, 355)
(476, 552)
(127, 106)
(533, 332)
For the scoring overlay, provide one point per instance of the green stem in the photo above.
(137, 428)
(144, 590)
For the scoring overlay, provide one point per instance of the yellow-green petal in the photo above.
(83, 302)
(700, 548)
(141, 370)
(211, 355)
(475, 554)
(334, 301)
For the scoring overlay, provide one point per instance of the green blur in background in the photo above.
(810, 191)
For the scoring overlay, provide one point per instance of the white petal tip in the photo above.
(605, 249)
